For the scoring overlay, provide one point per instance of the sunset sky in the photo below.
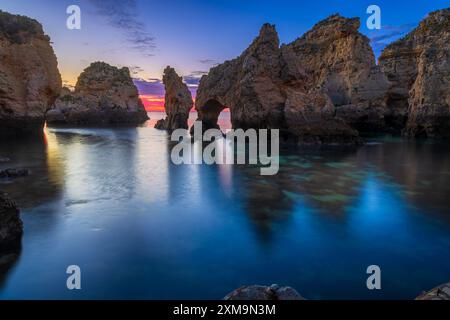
(192, 35)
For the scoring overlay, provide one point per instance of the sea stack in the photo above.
(418, 65)
(29, 77)
(103, 95)
(178, 102)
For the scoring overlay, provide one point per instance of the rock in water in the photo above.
(418, 65)
(318, 89)
(178, 102)
(11, 227)
(249, 85)
(104, 95)
(274, 292)
(29, 77)
(441, 292)
(339, 61)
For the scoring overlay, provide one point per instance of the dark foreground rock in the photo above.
(441, 292)
(178, 102)
(104, 95)
(255, 292)
(11, 227)
(29, 77)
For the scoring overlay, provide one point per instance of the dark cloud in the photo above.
(207, 61)
(123, 15)
(135, 70)
(151, 86)
(192, 80)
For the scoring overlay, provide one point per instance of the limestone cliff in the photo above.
(29, 77)
(418, 66)
(339, 61)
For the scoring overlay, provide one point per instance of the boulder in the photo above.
(441, 292)
(103, 95)
(178, 102)
(29, 77)
(255, 292)
(11, 227)
(418, 65)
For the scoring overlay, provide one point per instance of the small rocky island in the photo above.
(103, 95)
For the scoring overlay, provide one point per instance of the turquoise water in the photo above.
(111, 201)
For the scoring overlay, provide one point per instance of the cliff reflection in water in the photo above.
(111, 201)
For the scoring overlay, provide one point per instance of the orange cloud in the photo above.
(153, 102)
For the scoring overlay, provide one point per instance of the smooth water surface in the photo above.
(111, 201)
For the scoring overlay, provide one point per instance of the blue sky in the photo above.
(193, 35)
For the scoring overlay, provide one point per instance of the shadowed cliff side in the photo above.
(418, 65)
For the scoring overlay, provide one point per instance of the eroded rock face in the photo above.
(418, 65)
(339, 61)
(178, 102)
(319, 88)
(104, 95)
(249, 85)
(11, 227)
(273, 292)
(29, 77)
(311, 118)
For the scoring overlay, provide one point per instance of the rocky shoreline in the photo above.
(277, 292)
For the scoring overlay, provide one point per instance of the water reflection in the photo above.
(142, 227)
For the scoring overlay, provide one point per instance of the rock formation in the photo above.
(441, 292)
(274, 292)
(11, 227)
(249, 85)
(29, 77)
(418, 66)
(319, 88)
(339, 61)
(178, 102)
(104, 95)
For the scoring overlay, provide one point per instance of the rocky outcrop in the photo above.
(249, 85)
(11, 227)
(274, 292)
(441, 292)
(103, 95)
(418, 66)
(322, 88)
(311, 118)
(29, 77)
(339, 62)
(178, 102)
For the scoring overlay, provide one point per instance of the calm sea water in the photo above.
(111, 201)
